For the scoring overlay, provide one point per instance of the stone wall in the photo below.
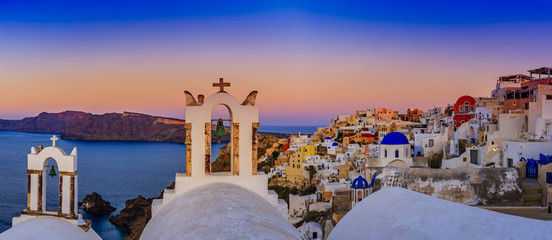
(479, 186)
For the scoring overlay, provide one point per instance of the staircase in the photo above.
(532, 192)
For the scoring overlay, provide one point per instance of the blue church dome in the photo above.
(394, 138)
(328, 138)
(335, 144)
(359, 182)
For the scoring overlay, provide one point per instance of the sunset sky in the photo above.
(309, 60)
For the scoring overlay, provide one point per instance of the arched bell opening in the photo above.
(221, 138)
(51, 187)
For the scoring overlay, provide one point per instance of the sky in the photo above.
(309, 60)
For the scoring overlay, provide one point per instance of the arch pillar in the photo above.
(235, 149)
(188, 127)
(254, 140)
(208, 149)
(68, 192)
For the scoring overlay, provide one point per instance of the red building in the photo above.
(464, 110)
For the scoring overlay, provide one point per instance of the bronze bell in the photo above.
(220, 132)
(52, 172)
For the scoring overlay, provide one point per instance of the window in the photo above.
(294, 165)
(431, 143)
(385, 153)
(396, 153)
(510, 162)
(314, 235)
(461, 108)
(472, 108)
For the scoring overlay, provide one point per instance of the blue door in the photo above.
(532, 168)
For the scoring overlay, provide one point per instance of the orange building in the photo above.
(412, 115)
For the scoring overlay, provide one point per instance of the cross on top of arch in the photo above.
(221, 84)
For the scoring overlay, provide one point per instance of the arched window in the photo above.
(397, 153)
(385, 153)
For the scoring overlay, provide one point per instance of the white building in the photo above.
(515, 150)
(298, 205)
(311, 230)
(395, 150)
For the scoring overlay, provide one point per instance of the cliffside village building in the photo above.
(510, 129)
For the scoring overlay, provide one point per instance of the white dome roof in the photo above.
(46, 228)
(219, 211)
(397, 213)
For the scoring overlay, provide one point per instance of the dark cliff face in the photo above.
(44, 122)
(73, 125)
(125, 127)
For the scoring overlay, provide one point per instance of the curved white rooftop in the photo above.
(46, 228)
(397, 213)
(219, 211)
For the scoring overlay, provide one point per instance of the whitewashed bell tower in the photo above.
(244, 118)
(37, 171)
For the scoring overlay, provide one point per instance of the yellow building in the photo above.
(307, 151)
(294, 171)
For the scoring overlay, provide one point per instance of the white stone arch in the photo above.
(244, 121)
(37, 173)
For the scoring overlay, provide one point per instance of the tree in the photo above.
(275, 156)
(339, 137)
(311, 170)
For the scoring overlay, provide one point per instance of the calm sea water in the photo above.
(118, 171)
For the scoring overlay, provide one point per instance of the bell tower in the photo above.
(38, 171)
(244, 122)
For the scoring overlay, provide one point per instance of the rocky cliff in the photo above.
(95, 205)
(125, 127)
(44, 122)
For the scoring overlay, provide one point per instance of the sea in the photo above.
(117, 170)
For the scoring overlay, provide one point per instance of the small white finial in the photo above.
(74, 152)
(54, 139)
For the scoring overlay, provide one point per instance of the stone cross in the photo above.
(221, 84)
(54, 139)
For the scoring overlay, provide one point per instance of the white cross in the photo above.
(54, 139)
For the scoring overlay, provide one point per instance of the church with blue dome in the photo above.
(395, 150)
(360, 189)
